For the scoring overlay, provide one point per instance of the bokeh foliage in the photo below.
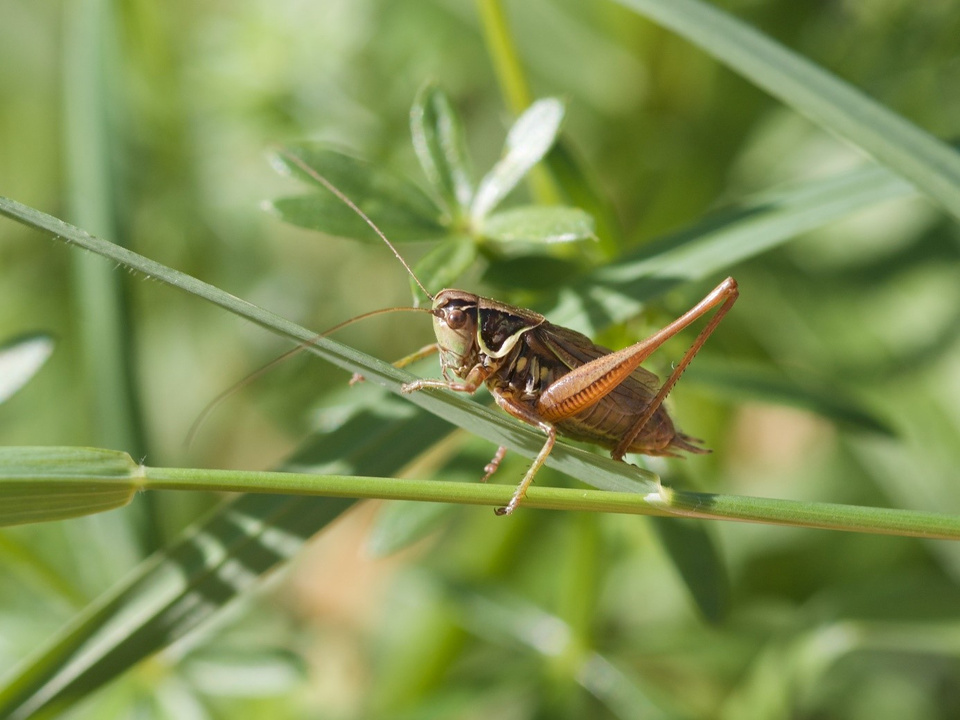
(150, 125)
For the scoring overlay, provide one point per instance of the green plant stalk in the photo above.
(90, 188)
(504, 55)
(514, 86)
(663, 501)
(592, 469)
(494, 426)
(76, 474)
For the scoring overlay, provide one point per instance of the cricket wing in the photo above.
(573, 349)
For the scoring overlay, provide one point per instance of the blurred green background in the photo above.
(150, 124)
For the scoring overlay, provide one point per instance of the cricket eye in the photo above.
(456, 319)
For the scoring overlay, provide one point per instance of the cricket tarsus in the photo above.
(491, 467)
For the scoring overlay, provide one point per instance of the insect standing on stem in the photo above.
(551, 377)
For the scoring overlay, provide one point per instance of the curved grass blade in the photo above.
(173, 592)
(759, 382)
(616, 292)
(931, 165)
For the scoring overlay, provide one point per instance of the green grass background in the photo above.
(150, 124)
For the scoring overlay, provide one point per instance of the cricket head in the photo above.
(455, 325)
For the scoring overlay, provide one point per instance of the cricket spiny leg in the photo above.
(725, 295)
(522, 413)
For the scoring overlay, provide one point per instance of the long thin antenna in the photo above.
(240, 384)
(353, 206)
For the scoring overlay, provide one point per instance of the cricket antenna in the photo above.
(353, 206)
(240, 384)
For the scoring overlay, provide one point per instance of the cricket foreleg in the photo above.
(404, 361)
(527, 416)
(470, 384)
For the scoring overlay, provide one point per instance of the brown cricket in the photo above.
(554, 378)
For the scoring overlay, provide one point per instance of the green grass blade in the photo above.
(49, 483)
(693, 549)
(252, 532)
(616, 292)
(931, 165)
(753, 381)
(602, 473)
(92, 54)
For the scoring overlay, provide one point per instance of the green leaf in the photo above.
(581, 189)
(439, 142)
(327, 214)
(402, 523)
(933, 166)
(693, 549)
(397, 206)
(20, 359)
(538, 224)
(616, 292)
(42, 484)
(531, 272)
(493, 425)
(175, 590)
(442, 266)
(746, 380)
(527, 142)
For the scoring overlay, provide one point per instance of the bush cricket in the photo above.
(553, 378)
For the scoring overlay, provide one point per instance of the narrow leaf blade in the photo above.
(539, 224)
(441, 267)
(43, 484)
(931, 165)
(743, 380)
(439, 142)
(20, 359)
(527, 142)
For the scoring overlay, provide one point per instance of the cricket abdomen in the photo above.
(605, 425)
(529, 369)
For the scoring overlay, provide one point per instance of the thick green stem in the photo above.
(666, 502)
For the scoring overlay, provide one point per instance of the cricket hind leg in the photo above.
(521, 413)
(725, 295)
